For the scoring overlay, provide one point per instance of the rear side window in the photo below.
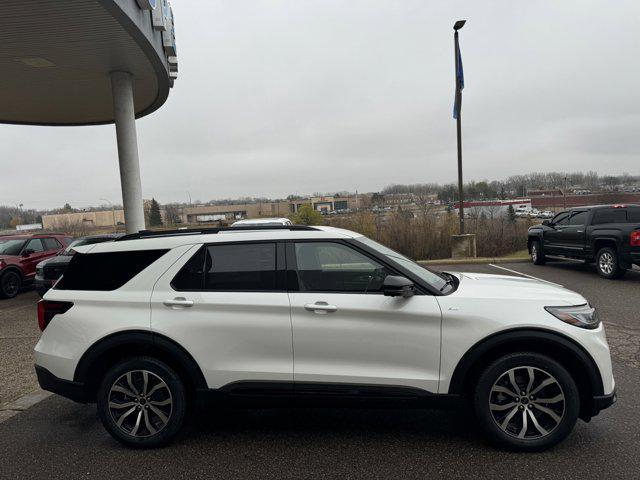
(633, 214)
(106, 271)
(230, 267)
(610, 215)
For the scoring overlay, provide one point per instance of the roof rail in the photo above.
(207, 231)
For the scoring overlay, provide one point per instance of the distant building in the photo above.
(494, 208)
(103, 218)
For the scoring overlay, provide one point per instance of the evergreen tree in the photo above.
(155, 219)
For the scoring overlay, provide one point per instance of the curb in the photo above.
(472, 261)
(23, 403)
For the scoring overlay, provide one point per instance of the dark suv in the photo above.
(50, 270)
(608, 235)
(19, 255)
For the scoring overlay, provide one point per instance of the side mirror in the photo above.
(395, 286)
(547, 223)
(27, 252)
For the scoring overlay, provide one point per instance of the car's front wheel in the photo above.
(537, 255)
(10, 284)
(142, 402)
(526, 402)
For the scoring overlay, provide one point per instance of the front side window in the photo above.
(105, 271)
(578, 218)
(561, 218)
(335, 267)
(230, 267)
(35, 246)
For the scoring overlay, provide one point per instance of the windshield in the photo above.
(11, 247)
(434, 279)
(69, 251)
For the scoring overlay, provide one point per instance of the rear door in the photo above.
(227, 305)
(347, 334)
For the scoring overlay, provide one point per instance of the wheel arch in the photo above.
(14, 268)
(561, 348)
(116, 347)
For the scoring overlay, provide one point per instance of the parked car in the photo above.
(154, 321)
(608, 235)
(50, 270)
(19, 255)
(262, 222)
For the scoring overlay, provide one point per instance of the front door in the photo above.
(346, 332)
(226, 304)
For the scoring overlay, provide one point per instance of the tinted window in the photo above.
(106, 271)
(633, 214)
(335, 267)
(51, 244)
(561, 218)
(610, 215)
(230, 267)
(35, 245)
(578, 218)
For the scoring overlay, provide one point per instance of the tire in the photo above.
(502, 416)
(10, 284)
(537, 254)
(607, 263)
(142, 422)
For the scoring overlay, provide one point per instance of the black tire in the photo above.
(546, 431)
(607, 263)
(167, 424)
(537, 254)
(10, 284)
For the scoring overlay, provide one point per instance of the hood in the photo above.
(481, 285)
(56, 260)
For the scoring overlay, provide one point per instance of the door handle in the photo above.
(178, 302)
(320, 307)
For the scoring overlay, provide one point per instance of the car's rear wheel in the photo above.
(10, 284)
(142, 402)
(526, 402)
(607, 263)
(537, 255)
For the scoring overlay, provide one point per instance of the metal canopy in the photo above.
(56, 57)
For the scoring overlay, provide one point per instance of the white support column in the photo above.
(124, 111)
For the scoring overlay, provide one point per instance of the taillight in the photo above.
(48, 309)
(635, 238)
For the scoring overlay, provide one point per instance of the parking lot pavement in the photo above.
(60, 439)
(18, 335)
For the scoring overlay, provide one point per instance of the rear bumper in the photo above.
(72, 390)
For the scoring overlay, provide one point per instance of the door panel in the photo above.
(368, 339)
(233, 335)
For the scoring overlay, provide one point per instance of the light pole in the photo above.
(113, 214)
(457, 114)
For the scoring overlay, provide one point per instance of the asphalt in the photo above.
(59, 439)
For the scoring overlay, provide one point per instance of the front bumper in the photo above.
(602, 402)
(72, 390)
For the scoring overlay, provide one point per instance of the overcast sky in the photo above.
(300, 96)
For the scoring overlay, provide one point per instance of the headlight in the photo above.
(583, 316)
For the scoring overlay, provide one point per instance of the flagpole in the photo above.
(458, 115)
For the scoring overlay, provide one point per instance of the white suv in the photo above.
(147, 325)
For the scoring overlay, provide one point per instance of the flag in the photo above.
(459, 81)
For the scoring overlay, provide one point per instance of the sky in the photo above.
(279, 97)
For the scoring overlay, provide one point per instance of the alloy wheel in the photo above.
(140, 403)
(534, 252)
(606, 263)
(11, 284)
(527, 403)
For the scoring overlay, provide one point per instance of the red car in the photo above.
(19, 255)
